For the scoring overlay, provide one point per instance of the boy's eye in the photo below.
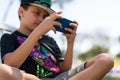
(36, 13)
(44, 17)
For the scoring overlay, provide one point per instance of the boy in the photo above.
(29, 49)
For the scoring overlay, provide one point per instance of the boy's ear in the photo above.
(20, 11)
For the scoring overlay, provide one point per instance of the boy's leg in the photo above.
(11, 73)
(96, 68)
(6, 72)
(68, 74)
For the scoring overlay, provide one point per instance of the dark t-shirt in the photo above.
(10, 42)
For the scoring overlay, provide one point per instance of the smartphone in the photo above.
(65, 24)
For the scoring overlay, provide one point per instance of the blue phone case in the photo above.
(65, 24)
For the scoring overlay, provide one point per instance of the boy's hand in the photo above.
(49, 22)
(71, 37)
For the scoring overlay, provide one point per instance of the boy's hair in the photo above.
(25, 7)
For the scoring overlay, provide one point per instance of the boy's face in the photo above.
(31, 17)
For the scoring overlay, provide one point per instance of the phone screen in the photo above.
(65, 24)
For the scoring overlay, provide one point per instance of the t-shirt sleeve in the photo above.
(57, 51)
(53, 44)
(7, 44)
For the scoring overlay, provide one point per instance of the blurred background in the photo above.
(98, 30)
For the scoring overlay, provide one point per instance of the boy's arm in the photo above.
(67, 63)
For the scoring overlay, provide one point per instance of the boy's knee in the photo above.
(4, 67)
(106, 60)
(10, 72)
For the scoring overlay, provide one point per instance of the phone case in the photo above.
(65, 24)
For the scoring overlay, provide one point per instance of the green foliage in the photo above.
(118, 55)
(95, 50)
(110, 78)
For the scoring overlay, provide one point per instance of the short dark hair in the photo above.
(25, 7)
